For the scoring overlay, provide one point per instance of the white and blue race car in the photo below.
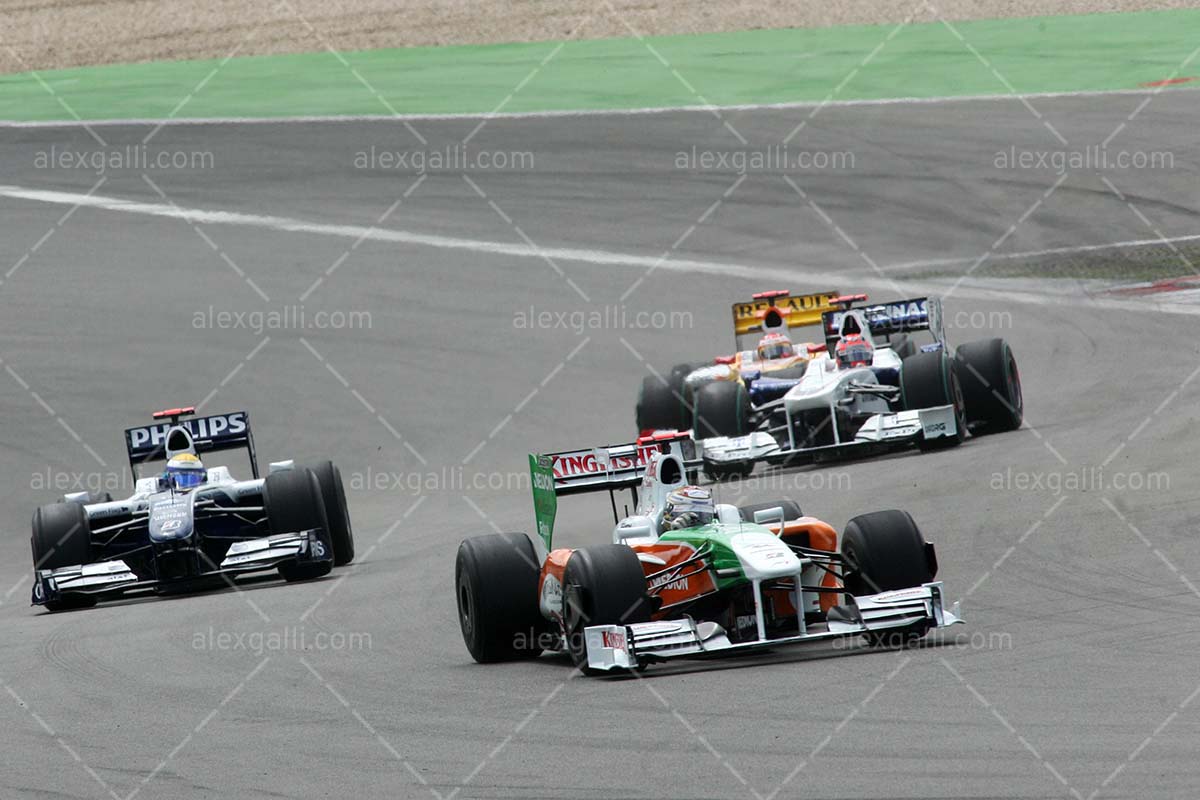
(173, 535)
(870, 388)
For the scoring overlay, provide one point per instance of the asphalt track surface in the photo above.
(1074, 677)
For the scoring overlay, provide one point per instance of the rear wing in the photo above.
(611, 468)
(779, 310)
(209, 434)
(888, 319)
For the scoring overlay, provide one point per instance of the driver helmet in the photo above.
(775, 345)
(854, 350)
(688, 507)
(184, 472)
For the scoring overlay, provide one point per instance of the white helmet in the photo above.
(688, 507)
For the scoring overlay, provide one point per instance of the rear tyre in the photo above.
(991, 386)
(722, 409)
(333, 493)
(294, 503)
(603, 585)
(791, 509)
(62, 538)
(496, 583)
(928, 380)
(902, 345)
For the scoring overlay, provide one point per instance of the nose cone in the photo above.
(171, 519)
(764, 555)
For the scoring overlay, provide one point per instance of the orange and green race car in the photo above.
(685, 578)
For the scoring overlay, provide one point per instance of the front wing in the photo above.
(632, 646)
(113, 578)
(879, 433)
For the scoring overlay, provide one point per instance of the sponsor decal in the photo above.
(614, 640)
(807, 302)
(915, 593)
(552, 594)
(670, 581)
(214, 427)
(887, 317)
(591, 462)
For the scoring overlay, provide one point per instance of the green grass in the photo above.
(1079, 53)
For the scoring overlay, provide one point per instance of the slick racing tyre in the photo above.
(722, 409)
(791, 509)
(294, 503)
(991, 386)
(62, 538)
(496, 583)
(677, 380)
(928, 380)
(333, 493)
(882, 551)
(657, 407)
(603, 585)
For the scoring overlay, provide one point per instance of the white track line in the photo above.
(1053, 251)
(617, 112)
(760, 273)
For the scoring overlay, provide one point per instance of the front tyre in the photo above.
(991, 386)
(722, 409)
(928, 380)
(62, 537)
(603, 585)
(333, 493)
(657, 406)
(294, 503)
(883, 551)
(496, 583)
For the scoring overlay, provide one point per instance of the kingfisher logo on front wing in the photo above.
(613, 640)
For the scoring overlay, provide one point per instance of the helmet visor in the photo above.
(769, 352)
(185, 478)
